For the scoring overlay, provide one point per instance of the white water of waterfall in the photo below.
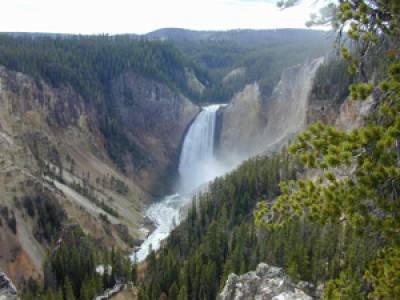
(197, 163)
(197, 166)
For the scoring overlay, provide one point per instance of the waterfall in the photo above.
(197, 165)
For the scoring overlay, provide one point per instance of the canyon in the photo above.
(248, 126)
(47, 128)
(107, 162)
(61, 128)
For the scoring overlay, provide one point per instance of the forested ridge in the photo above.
(262, 54)
(327, 209)
(89, 63)
(71, 269)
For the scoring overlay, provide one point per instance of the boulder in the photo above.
(266, 283)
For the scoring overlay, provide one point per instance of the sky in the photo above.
(142, 16)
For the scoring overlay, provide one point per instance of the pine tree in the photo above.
(183, 293)
(134, 272)
(173, 292)
(68, 290)
(84, 292)
(367, 198)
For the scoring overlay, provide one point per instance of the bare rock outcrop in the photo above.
(155, 118)
(252, 125)
(47, 130)
(7, 288)
(353, 112)
(234, 74)
(241, 124)
(266, 283)
(287, 108)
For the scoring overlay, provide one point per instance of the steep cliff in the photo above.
(155, 117)
(242, 120)
(56, 163)
(236, 58)
(251, 125)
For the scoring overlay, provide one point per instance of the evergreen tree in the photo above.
(367, 198)
(183, 293)
(68, 290)
(173, 292)
(134, 273)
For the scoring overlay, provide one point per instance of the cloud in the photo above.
(135, 16)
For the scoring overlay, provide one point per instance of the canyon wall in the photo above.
(57, 168)
(252, 124)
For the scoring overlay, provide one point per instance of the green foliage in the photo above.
(48, 213)
(71, 264)
(89, 63)
(118, 145)
(70, 269)
(359, 175)
(384, 274)
(113, 183)
(218, 236)
(87, 190)
(263, 54)
(340, 228)
(331, 81)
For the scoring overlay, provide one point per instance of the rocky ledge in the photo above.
(7, 288)
(266, 283)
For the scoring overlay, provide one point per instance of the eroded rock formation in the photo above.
(266, 283)
(53, 142)
(7, 288)
(252, 125)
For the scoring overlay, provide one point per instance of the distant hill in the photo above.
(263, 36)
(180, 34)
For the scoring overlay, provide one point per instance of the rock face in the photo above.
(45, 128)
(252, 125)
(352, 113)
(287, 108)
(7, 288)
(240, 124)
(155, 118)
(235, 73)
(266, 283)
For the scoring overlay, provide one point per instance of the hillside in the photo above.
(91, 134)
(92, 128)
(89, 129)
(219, 237)
(262, 55)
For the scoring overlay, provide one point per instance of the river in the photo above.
(197, 166)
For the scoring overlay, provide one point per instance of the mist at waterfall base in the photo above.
(198, 163)
(197, 166)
